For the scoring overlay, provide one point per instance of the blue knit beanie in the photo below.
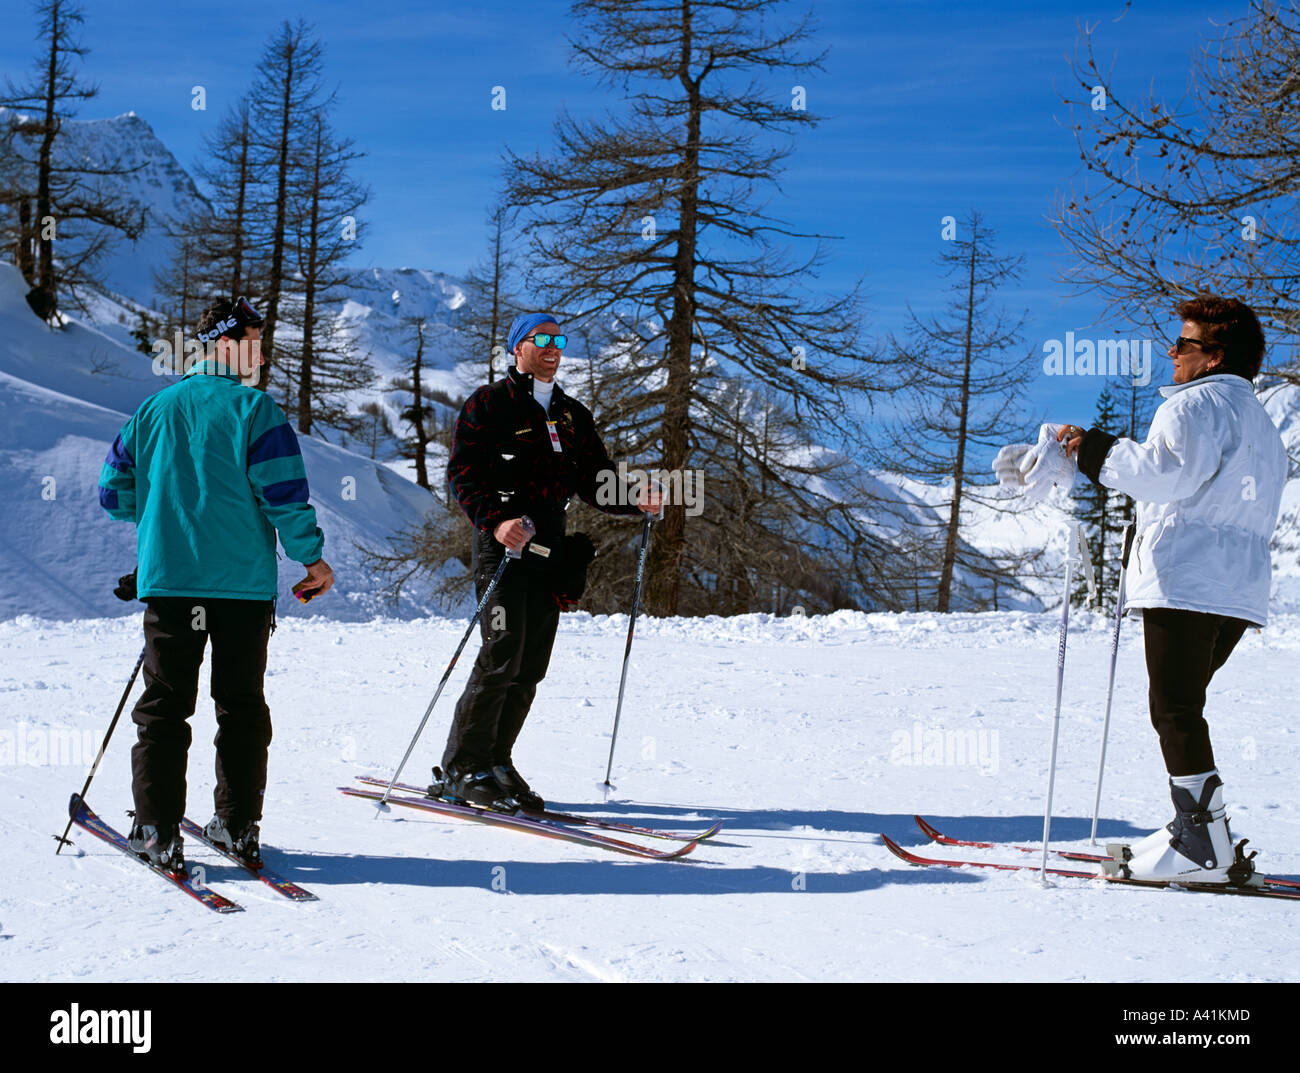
(522, 325)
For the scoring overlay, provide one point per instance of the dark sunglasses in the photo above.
(542, 340)
(1183, 344)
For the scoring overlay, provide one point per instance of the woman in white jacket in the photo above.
(1208, 481)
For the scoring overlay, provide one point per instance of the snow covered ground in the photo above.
(809, 737)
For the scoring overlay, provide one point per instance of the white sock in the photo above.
(1194, 784)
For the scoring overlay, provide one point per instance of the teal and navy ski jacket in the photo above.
(209, 470)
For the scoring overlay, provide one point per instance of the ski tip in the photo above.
(896, 849)
(687, 847)
(75, 805)
(928, 829)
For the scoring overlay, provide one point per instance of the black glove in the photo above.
(126, 587)
(571, 577)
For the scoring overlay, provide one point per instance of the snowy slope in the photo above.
(63, 397)
(809, 737)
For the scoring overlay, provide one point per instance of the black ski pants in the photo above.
(518, 629)
(1184, 649)
(176, 631)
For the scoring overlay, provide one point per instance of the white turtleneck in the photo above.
(542, 390)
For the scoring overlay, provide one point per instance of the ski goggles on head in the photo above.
(248, 316)
(542, 340)
(233, 323)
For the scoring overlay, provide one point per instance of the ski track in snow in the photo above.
(809, 737)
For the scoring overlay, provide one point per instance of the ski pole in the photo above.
(627, 650)
(63, 839)
(1070, 558)
(1110, 683)
(510, 555)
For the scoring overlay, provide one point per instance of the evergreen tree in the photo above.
(959, 381)
(48, 202)
(1101, 512)
(226, 169)
(373, 427)
(654, 221)
(417, 413)
(326, 367)
(490, 300)
(283, 104)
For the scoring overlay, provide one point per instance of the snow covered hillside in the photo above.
(808, 737)
(156, 182)
(63, 397)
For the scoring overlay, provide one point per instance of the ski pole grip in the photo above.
(1130, 531)
(527, 523)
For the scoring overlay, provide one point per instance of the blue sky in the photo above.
(930, 109)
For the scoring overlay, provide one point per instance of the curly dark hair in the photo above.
(213, 315)
(1232, 328)
(222, 310)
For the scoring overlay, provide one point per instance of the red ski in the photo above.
(935, 835)
(565, 817)
(546, 828)
(1266, 888)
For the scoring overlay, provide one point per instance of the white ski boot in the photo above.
(1126, 851)
(1196, 846)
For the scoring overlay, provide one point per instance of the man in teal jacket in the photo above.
(209, 471)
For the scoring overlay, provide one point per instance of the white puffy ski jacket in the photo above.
(1208, 481)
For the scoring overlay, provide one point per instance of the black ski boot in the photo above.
(507, 775)
(161, 845)
(474, 784)
(243, 840)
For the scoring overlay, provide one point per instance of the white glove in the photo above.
(1007, 465)
(1046, 464)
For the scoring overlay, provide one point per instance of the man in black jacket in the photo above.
(522, 449)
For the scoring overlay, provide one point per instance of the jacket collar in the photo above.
(212, 367)
(1171, 390)
(521, 384)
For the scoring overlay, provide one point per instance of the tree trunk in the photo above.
(45, 246)
(25, 250)
(959, 466)
(309, 297)
(417, 410)
(495, 330)
(275, 281)
(237, 255)
(663, 582)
